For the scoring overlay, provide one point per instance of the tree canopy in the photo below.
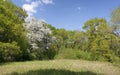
(11, 20)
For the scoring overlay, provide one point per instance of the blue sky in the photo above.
(68, 14)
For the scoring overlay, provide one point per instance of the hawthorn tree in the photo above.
(41, 42)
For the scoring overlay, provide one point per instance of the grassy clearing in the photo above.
(59, 67)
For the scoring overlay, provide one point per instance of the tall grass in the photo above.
(59, 67)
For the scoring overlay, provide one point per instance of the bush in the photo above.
(66, 53)
(51, 51)
(83, 55)
(9, 52)
(32, 56)
(40, 54)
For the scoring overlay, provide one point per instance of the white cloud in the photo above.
(31, 8)
(47, 1)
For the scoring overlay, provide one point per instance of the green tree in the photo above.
(9, 52)
(98, 33)
(115, 19)
(53, 29)
(11, 21)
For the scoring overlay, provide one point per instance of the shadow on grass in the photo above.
(54, 72)
(2, 64)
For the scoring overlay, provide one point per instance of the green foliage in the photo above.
(98, 41)
(115, 18)
(11, 29)
(68, 53)
(115, 22)
(51, 51)
(48, 53)
(84, 55)
(54, 30)
(62, 33)
(115, 26)
(9, 52)
(11, 20)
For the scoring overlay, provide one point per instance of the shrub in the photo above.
(51, 51)
(48, 53)
(83, 55)
(9, 52)
(68, 53)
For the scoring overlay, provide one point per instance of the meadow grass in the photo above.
(59, 67)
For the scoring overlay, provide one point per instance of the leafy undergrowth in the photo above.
(59, 67)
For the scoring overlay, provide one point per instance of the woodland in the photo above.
(22, 40)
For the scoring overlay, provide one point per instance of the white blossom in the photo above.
(37, 32)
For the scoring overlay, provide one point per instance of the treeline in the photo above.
(98, 41)
(37, 40)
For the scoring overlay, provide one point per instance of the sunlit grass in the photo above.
(59, 67)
